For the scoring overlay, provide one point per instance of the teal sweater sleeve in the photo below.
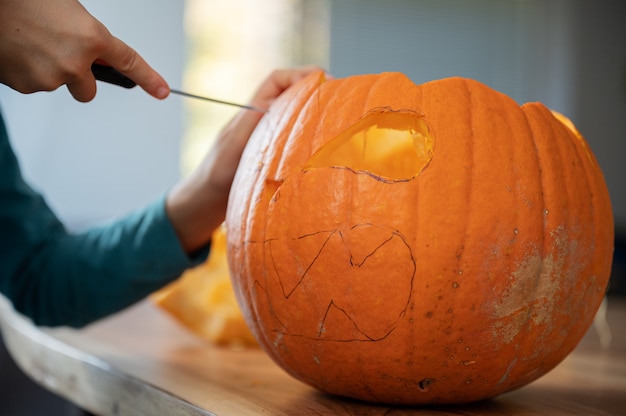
(61, 278)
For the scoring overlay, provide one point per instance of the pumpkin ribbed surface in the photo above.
(403, 243)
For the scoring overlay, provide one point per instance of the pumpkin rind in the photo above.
(472, 278)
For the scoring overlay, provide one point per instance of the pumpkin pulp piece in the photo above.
(203, 301)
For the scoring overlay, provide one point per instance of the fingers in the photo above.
(84, 88)
(126, 60)
(283, 79)
(52, 43)
(237, 132)
(279, 81)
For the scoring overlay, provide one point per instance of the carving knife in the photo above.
(111, 75)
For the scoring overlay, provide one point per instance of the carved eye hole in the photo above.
(395, 146)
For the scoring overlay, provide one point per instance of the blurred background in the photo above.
(99, 160)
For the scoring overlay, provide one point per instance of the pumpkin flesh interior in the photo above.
(394, 146)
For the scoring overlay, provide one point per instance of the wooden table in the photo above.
(140, 362)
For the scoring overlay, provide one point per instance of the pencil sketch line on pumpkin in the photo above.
(357, 264)
(315, 233)
(402, 313)
(412, 280)
(294, 335)
(287, 293)
(352, 262)
(272, 312)
(331, 233)
(394, 233)
(332, 304)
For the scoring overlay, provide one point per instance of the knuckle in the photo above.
(129, 61)
(69, 71)
(96, 36)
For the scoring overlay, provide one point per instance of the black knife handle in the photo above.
(111, 75)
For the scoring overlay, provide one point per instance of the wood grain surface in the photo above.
(140, 362)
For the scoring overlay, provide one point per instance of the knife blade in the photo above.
(111, 75)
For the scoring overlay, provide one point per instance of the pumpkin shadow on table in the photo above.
(348, 406)
(532, 399)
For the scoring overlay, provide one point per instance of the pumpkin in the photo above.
(417, 244)
(202, 300)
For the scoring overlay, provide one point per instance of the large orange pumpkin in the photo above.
(411, 244)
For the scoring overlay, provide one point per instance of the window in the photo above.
(232, 47)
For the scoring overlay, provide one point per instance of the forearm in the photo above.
(62, 279)
(197, 205)
(75, 279)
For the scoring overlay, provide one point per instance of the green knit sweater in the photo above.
(61, 278)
